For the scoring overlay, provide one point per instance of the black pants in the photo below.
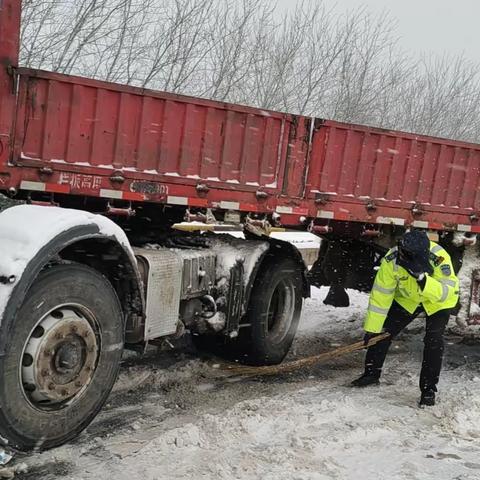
(397, 319)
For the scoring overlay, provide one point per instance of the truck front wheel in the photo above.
(61, 358)
(273, 313)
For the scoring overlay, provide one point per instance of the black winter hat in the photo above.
(416, 244)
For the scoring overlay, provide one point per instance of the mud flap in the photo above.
(337, 297)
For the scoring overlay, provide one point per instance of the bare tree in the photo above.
(443, 98)
(38, 17)
(233, 48)
(311, 60)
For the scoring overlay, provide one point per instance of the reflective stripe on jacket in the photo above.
(393, 282)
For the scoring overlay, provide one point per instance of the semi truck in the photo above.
(109, 249)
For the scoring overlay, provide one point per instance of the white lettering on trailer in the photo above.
(177, 200)
(80, 180)
(391, 221)
(230, 205)
(282, 209)
(67, 178)
(91, 181)
(36, 186)
(420, 224)
(325, 214)
(118, 194)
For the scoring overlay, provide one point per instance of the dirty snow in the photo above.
(25, 229)
(174, 416)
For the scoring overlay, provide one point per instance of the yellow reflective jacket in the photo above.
(393, 282)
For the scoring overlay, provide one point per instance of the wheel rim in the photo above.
(60, 357)
(281, 311)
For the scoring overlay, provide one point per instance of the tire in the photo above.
(273, 313)
(62, 358)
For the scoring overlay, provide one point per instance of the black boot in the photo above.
(427, 399)
(366, 380)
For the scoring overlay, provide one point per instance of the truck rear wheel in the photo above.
(62, 357)
(273, 313)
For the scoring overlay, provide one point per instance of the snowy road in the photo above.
(173, 417)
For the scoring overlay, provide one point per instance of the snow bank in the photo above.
(460, 420)
(25, 229)
(332, 320)
(313, 434)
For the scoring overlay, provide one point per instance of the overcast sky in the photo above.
(451, 26)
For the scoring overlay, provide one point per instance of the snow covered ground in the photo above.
(173, 416)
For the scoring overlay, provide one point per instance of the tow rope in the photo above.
(302, 362)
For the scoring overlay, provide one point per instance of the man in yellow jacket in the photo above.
(416, 276)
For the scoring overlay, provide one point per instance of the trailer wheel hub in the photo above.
(59, 359)
(68, 357)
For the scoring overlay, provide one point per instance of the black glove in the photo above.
(368, 336)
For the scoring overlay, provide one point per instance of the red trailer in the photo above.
(75, 136)
(76, 288)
